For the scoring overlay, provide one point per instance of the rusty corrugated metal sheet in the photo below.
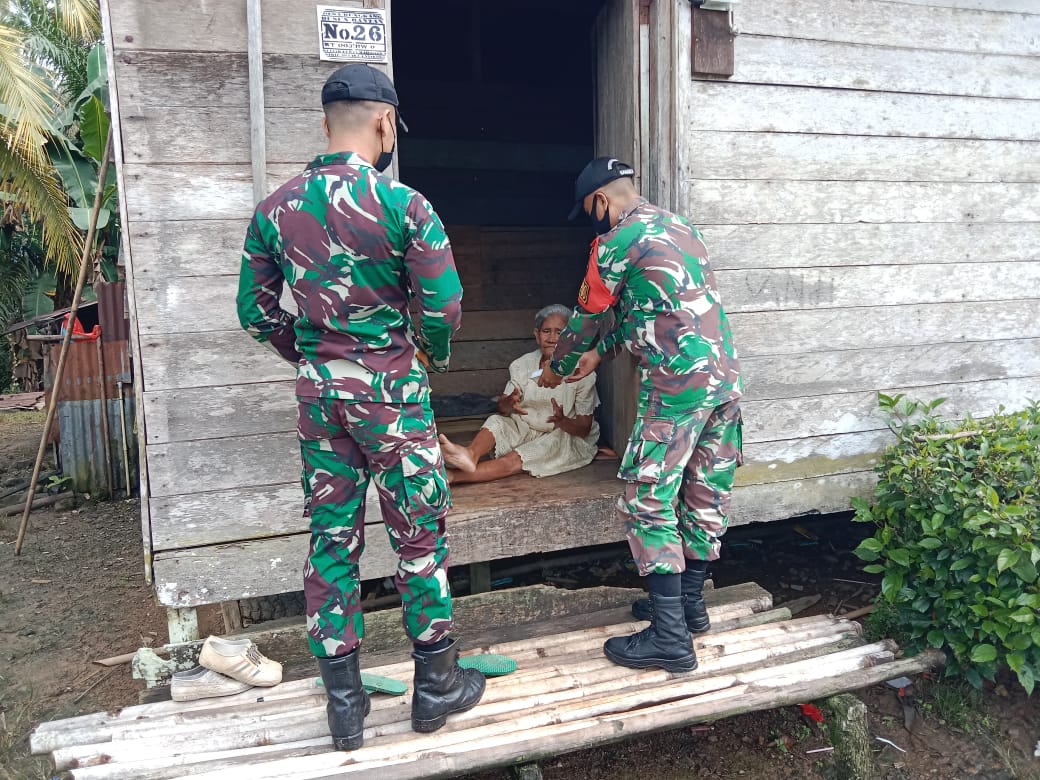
(82, 448)
(112, 311)
(82, 379)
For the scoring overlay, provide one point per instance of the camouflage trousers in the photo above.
(679, 469)
(344, 445)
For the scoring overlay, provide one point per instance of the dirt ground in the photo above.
(77, 594)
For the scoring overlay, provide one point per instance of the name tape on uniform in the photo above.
(351, 34)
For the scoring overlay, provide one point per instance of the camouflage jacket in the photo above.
(651, 272)
(355, 247)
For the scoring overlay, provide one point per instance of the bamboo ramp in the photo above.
(565, 696)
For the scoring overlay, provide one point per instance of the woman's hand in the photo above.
(510, 404)
(587, 363)
(576, 426)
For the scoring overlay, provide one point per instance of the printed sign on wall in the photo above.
(351, 34)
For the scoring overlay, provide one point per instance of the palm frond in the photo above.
(81, 19)
(38, 188)
(26, 102)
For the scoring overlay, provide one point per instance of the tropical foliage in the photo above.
(53, 127)
(957, 510)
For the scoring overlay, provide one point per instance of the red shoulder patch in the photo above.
(593, 294)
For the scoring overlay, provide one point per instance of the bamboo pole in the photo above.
(59, 371)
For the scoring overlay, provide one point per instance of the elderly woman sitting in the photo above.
(538, 430)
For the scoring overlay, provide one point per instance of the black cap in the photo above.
(359, 81)
(600, 171)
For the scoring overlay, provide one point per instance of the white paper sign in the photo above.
(351, 34)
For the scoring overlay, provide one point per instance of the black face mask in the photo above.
(600, 224)
(385, 158)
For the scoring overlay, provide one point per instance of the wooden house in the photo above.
(865, 173)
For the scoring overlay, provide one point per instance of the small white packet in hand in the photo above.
(536, 374)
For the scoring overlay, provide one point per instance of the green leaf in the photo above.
(892, 584)
(81, 217)
(97, 72)
(1023, 615)
(1026, 571)
(930, 543)
(1015, 661)
(936, 638)
(874, 568)
(36, 299)
(1007, 559)
(900, 556)
(93, 127)
(1027, 680)
(77, 174)
(981, 654)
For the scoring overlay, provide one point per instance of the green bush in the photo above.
(957, 509)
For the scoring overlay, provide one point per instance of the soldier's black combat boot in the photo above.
(348, 701)
(666, 644)
(693, 589)
(442, 687)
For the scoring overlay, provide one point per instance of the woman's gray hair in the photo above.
(549, 311)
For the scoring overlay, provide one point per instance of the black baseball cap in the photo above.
(600, 171)
(358, 81)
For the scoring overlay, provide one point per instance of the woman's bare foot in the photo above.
(457, 456)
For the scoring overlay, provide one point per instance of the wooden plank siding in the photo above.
(874, 203)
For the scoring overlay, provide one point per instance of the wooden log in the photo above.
(103, 741)
(256, 726)
(604, 698)
(103, 727)
(553, 740)
(849, 732)
(42, 501)
(377, 758)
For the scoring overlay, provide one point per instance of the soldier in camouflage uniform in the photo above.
(650, 269)
(355, 247)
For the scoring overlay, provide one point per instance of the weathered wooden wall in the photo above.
(867, 182)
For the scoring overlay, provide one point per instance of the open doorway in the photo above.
(501, 100)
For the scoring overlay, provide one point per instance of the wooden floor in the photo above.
(565, 696)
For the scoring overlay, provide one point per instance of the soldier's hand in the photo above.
(587, 363)
(423, 358)
(549, 378)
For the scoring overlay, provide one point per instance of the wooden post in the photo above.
(525, 772)
(850, 736)
(183, 625)
(257, 120)
(231, 611)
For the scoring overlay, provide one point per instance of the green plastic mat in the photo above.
(490, 664)
(376, 684)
